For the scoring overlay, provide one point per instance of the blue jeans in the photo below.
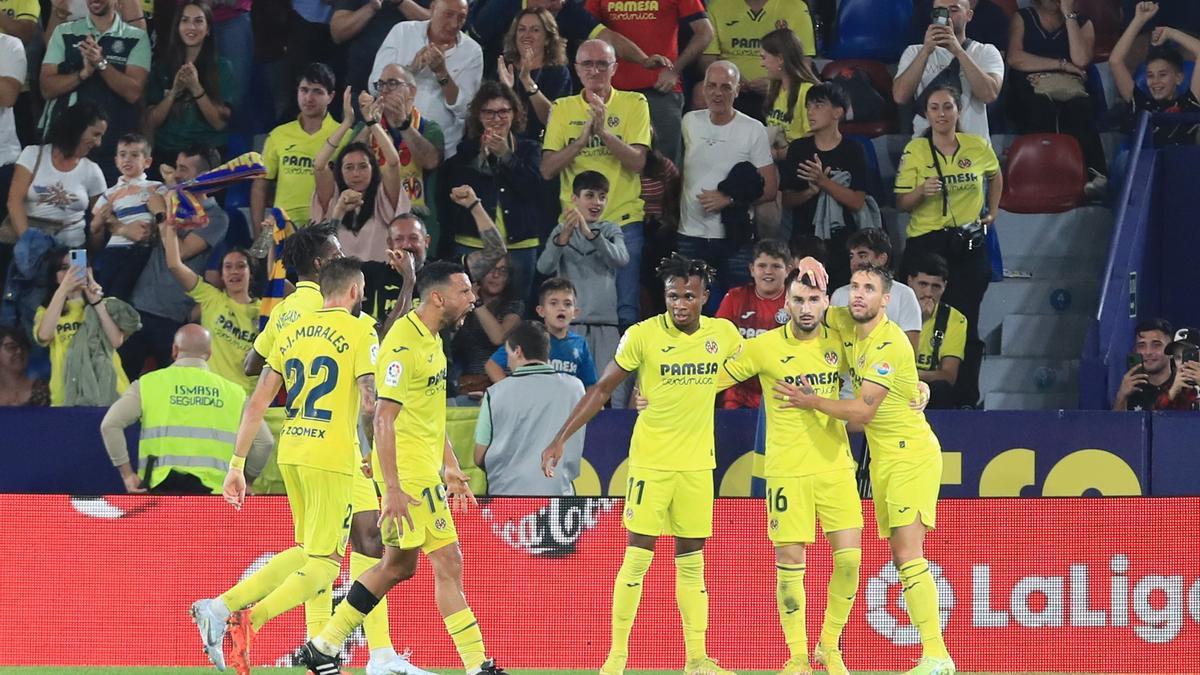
(732, 264)
(629, 277)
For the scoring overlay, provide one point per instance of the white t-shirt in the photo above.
(12, 64)
(464, 63)
(59, 196)
(710, 151)
(903, 308)
(129, 199)
(973, 118)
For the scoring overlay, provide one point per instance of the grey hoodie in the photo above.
(592, 266)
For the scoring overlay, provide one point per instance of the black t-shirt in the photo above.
(1168, 134)
(361, 50)
(847, 156)
(1146, 397)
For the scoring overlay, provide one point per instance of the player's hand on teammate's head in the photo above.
(551, 457)
(815, 270)
(234, 489)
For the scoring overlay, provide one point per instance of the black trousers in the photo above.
(181, 484)
(970, 274)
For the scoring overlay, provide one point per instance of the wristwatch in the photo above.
(443, 81)
(102, 65)
(1073, 16)
(534, 91)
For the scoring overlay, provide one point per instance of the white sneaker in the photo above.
(207, 615)
(395, 664)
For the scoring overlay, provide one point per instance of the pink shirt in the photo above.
(370, 242)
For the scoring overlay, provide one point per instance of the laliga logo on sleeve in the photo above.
(882, 618)
(883, 367)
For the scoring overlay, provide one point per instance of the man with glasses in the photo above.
(418, 139)
(446, 64)
(606, 130)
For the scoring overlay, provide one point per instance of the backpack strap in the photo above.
(940, 321)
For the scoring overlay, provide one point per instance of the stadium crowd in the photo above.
(557, 147)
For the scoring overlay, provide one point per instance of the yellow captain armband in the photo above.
(238, 463)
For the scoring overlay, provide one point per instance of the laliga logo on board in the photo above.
(552, 530)
(882, 618)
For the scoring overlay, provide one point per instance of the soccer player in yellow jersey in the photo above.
(809, 469)
(411, 449)
(306, 252)
(906, 463)
(326, 360)
(677, 358)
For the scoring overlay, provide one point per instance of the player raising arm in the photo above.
(677, 357)
(906, 466)
(327, 361)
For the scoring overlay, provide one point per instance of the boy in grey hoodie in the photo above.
(589, 251)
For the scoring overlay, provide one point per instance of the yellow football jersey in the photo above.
(306, 298)
(738, 31)
(799, 442)
(629, 120)
(777, 115)
(677, 373)
(288, 155)
(886, 358)
(963, 175)
(412, 372)
(954, 341)
(233, 327)
(321, 356)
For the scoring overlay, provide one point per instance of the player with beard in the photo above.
(906, 457)
(677, 358)
(411, 450)
(326, 359)
(809, 469)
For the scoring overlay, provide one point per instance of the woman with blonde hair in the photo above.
(534, 64)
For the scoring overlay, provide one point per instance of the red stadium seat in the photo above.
(1045, 174)
(1009, 6)
(881, 82)
(1106, 18)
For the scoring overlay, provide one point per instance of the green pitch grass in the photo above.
(11, 670)
(16, 670)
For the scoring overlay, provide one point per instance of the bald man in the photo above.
(189, 417)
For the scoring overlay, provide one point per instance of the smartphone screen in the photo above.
(78, 257)
(1133, 360)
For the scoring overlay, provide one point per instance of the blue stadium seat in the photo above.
(872, 29)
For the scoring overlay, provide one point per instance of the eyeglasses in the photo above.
(495, 113)
(594, 65)
(389, 85)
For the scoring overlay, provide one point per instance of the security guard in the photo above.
(189, 419)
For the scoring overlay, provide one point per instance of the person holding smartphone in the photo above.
(1152, 372)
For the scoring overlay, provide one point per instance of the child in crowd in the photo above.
(589, 251)
(121, 213)
(569, 353)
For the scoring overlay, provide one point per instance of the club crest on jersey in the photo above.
(831, 358)
(440, 523)
(774, 524)
(883, 367)
(710, 346)
(782, 23)
(964, 163)
(613, 121)
(781, 316)
(629, 513)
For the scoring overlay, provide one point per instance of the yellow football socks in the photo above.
(692, 599)
(349, 615)
(627, 594)
(256, 586)
(375, 625)
(464, 630)
(300, 586)
(920, 593)
(843, 586)
(317, 611)
(789, 595)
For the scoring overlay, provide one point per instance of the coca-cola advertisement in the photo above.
(1075, 585)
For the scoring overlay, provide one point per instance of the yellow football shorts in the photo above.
(904, 489)
(433, 526)
(794, 503)
(678, 503)
(320, 503)
(364, 496)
